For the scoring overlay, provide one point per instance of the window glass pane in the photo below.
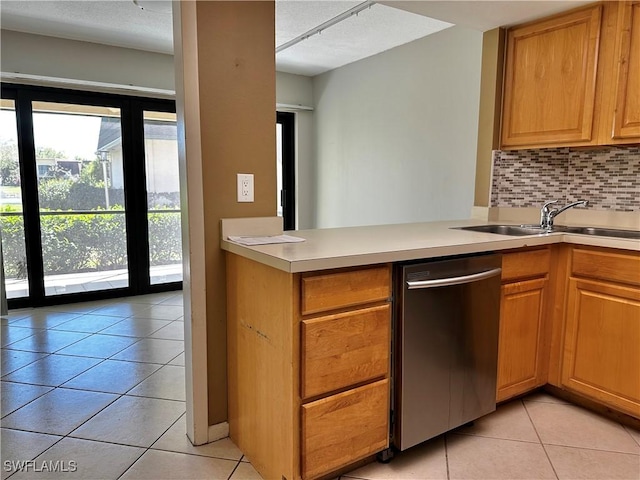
(81, 194)
(11, 219)
(163, 197)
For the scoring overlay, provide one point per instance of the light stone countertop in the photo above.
(357, 246)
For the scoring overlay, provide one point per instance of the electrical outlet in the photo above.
(245, 187)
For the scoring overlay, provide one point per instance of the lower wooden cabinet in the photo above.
(309, 373)
(343, 428)
(601, 354)
(309, 366)
(522, 353)
(345, 345)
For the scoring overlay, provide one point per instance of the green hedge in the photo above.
(67, 194)
(15, 262)
(88, 242)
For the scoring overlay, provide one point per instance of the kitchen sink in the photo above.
(521, 230)
(604, 232)
(505, 229)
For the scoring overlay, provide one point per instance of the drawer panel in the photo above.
(532, 263)
(343, 428)
(321, 293)
(345, 349)
(606, 265)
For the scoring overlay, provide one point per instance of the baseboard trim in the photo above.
(218, 431)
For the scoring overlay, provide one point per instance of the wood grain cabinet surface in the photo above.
(345, 427)
(571, 79)
(345, 360)
(550, 80)
(522, 353)
(601, 354)
(344, 349)
(626, 100)
(308, 369)
(348, 288)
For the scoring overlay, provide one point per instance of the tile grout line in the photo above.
(446, 456)
(149, 447)
(591, 449)
(234, 469)
(26, 365)
(583, 447)
(544, 448)
(626, 429)
(117, 396)
(477, 435)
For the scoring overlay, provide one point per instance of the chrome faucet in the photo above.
(548, 214)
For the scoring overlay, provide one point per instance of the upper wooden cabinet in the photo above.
(569, 79)
(626, 119)
(550, 80)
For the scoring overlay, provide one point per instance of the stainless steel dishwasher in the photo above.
(445, 346)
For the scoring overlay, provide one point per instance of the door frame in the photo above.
(288, 194)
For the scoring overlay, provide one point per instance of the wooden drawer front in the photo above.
(344, 428)
(345, 289)
(532, 263)
(345, 349)
(616, 267)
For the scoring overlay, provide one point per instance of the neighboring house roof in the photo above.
(111, 133)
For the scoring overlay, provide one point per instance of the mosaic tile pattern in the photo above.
(609, 177)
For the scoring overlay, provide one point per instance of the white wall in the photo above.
(294, 89)
(392, 137)
(396, 133)
(56, 58)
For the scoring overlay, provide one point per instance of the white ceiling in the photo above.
(371, 31)
(147, 24)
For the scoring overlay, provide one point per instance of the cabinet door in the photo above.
(602, 343)
(344, 428)
(550, 80)
(626, 117)
(520, 346)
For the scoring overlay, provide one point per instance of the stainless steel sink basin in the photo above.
(521, 230)
(505, 229)
(604, 232)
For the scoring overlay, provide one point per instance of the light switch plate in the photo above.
(245, 187)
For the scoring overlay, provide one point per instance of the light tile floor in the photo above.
(98, 388)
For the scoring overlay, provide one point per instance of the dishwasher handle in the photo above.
(450, 281)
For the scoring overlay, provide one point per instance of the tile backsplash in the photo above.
(609, 178)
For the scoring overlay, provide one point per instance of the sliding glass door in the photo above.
(90, 195)
(79, 162)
